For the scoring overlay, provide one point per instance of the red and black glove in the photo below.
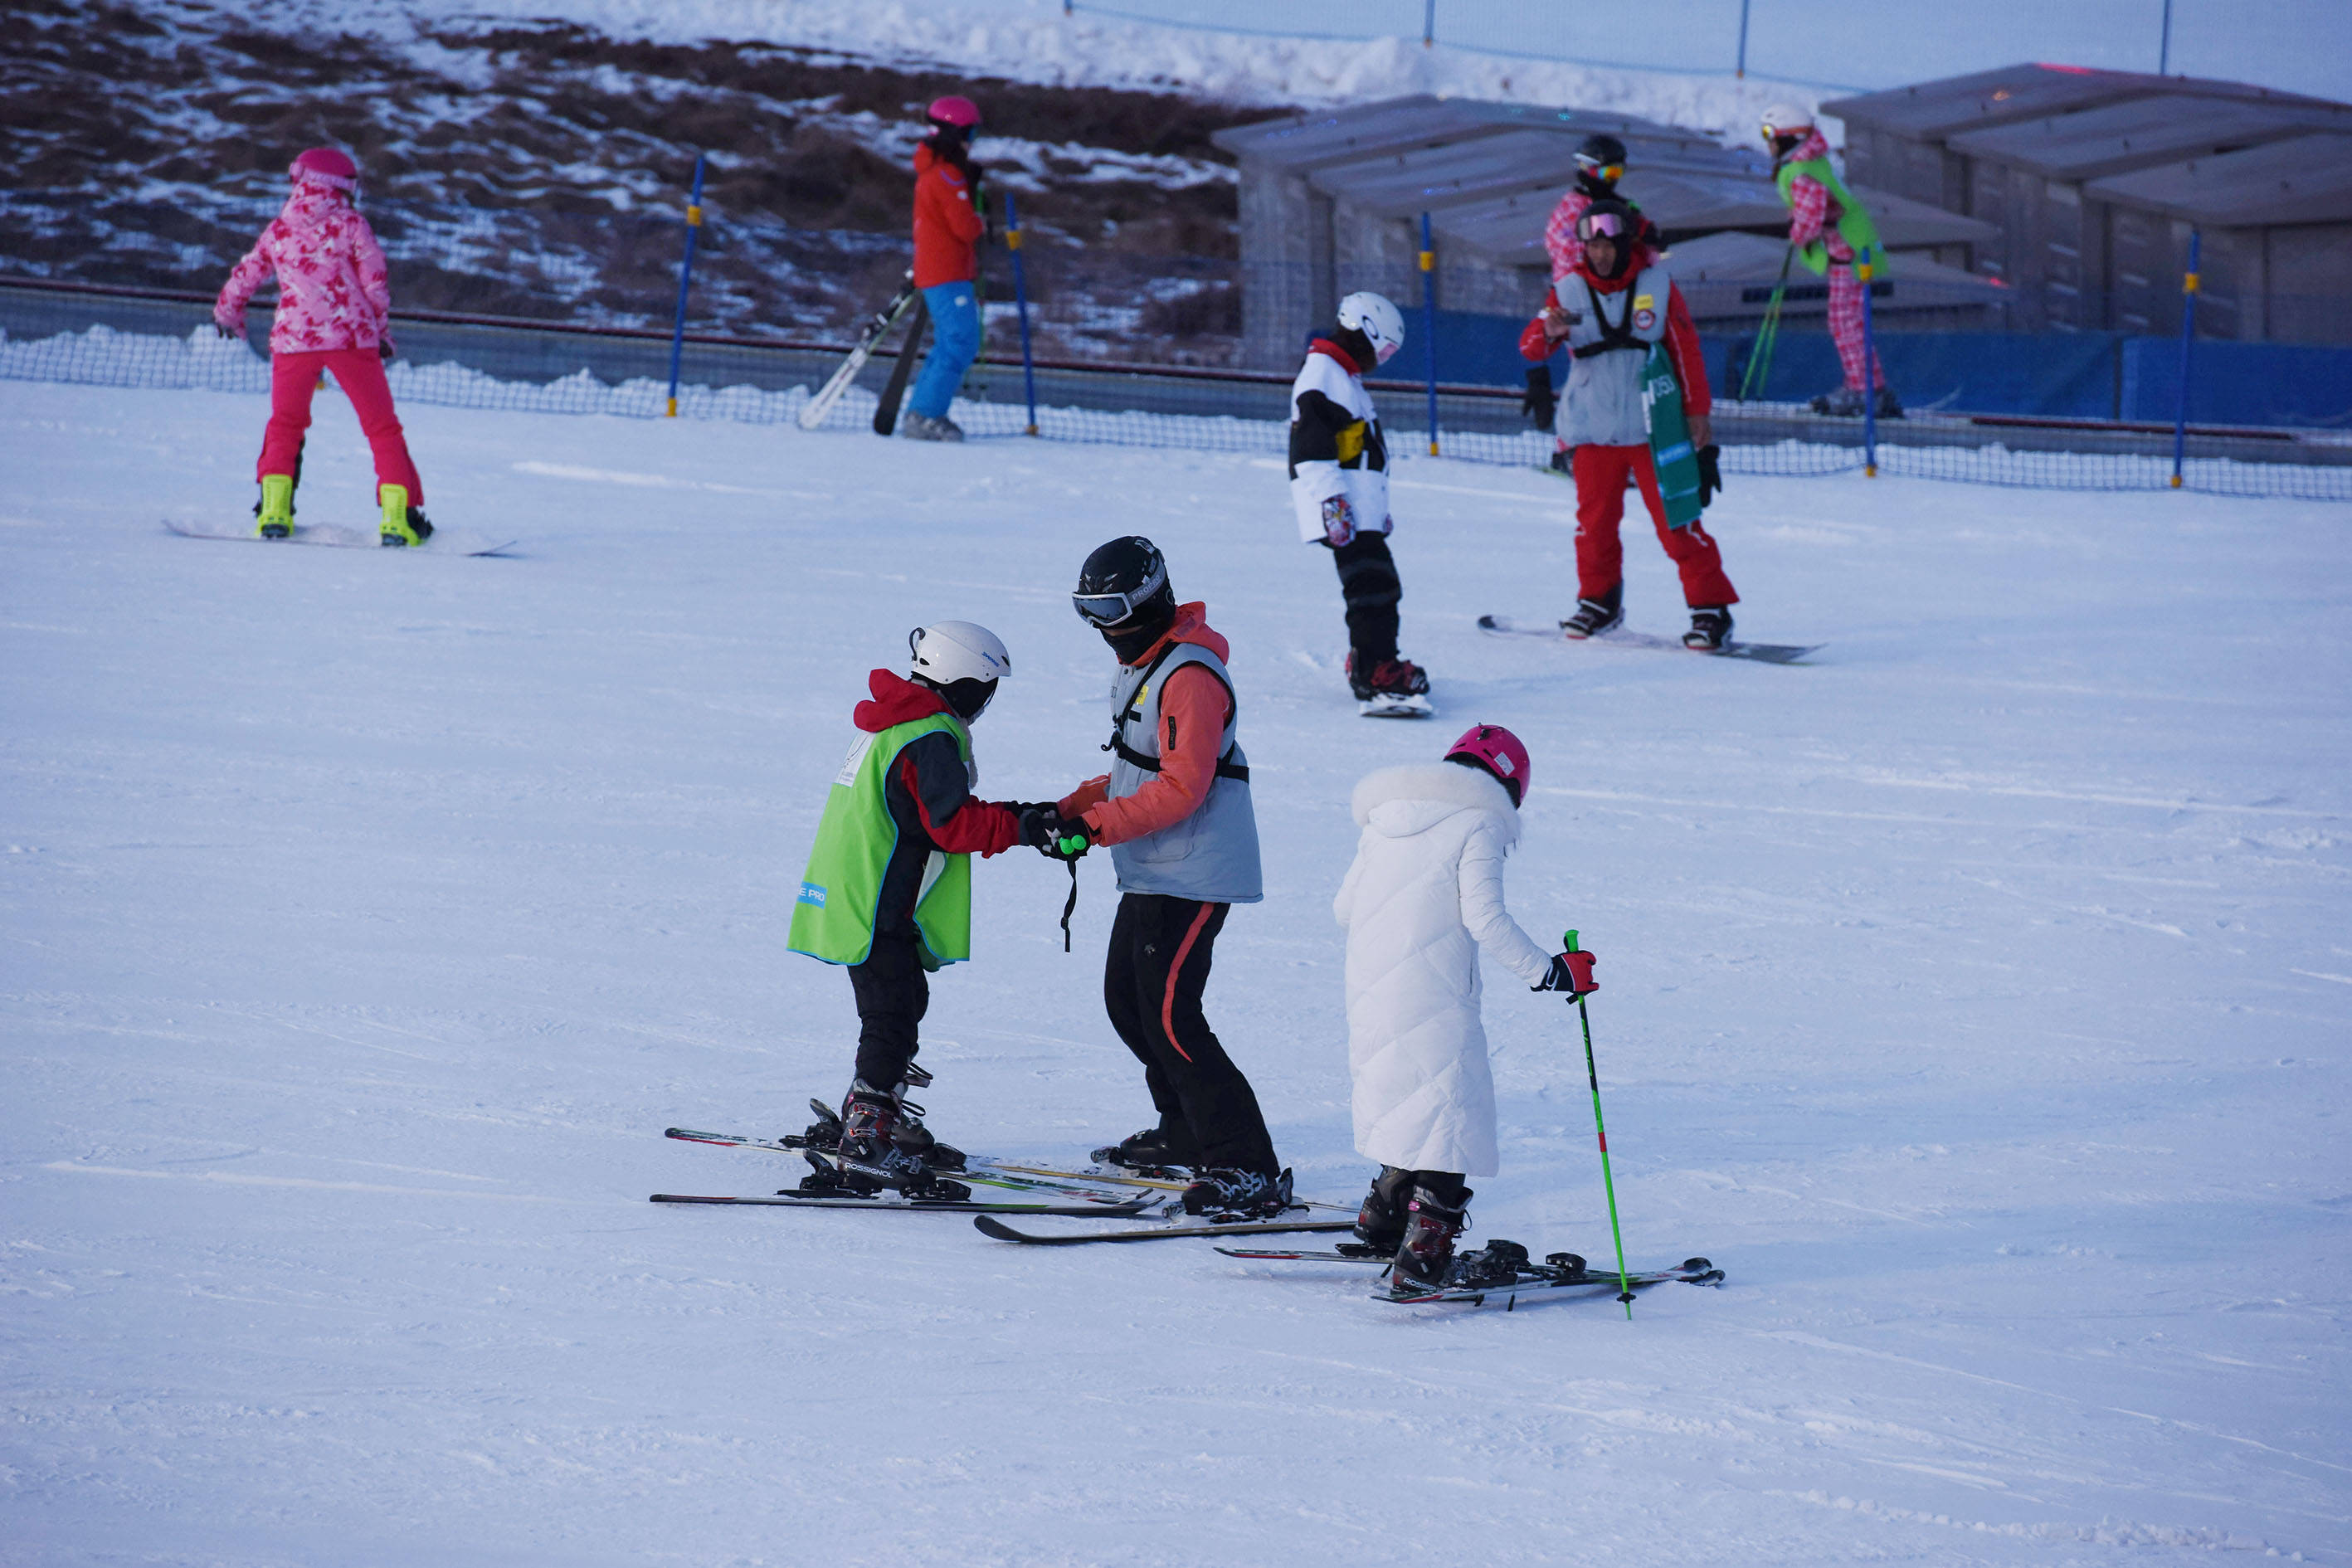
(1571, 972)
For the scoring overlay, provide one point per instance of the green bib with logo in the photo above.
(841, 892)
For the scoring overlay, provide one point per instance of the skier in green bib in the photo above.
(1830, 231)
(888, 887)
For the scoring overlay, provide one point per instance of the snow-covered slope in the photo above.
(1977, 998)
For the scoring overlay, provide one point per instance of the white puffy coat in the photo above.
(1424, 895)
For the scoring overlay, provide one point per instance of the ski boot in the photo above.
(1391, 689)
(1226, 1193)
(921, 428)
(1563, 460)
(1425, 1257)
(1154, 1151)
(1845, 402)
(403, 524)
(1889, 405)
(1710, 627)
(870, 1149)
(1380, 1224)
(1594, 616)
(274, 513)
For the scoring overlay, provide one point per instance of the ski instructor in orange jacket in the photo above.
(948, 224)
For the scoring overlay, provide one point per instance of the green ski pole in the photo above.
(1592, 1074)
(1767, 336)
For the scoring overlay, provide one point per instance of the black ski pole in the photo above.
(1069, 849)
(1592, 1075)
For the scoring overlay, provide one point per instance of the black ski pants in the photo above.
(893, 993)
(1152, 980)
(1369, 587)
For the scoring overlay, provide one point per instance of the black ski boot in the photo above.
(1594, 616)
(909, 1133)
(1380, 1224)
(871, 1125)
(1153, 1149)
(1710, 627)
(1845, 402)
(1425, 1257)
(1225, 1194)
(1889, 405)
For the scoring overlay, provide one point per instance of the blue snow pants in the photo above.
(955, 343)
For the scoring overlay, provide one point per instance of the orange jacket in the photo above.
(945, 225)
(1193, 713)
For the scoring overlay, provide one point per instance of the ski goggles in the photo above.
(1611, 173)
(1600, 226)
(1101, 610)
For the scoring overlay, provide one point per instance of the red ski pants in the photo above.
(294, 377)
(1600, 474)
(1845, 327)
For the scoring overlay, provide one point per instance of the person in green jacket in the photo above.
(888, 893)
(1831, 231)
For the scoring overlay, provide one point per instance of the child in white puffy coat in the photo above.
(1425, 893)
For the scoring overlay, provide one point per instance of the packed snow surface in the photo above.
(1976, 997)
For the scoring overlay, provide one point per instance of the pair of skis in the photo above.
(909, 299)
(1083, 1194)
(1500, 1268)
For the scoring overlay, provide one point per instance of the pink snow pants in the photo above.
(293, 377)
(1845, 327)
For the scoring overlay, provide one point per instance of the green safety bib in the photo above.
(1854, 220)
(841, 892)
(1670, 443)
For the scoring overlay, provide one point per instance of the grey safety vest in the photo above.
(1211, 855)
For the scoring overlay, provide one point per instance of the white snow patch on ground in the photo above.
(1974, 997)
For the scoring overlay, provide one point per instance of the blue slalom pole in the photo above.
(1021, 303)
(1429, 324)
(2189, 283)
(685, 279)
(1862, 272)
(1742, 72)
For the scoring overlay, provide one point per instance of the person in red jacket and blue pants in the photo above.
(948, 227)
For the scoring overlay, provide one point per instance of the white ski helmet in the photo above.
(948, 652)
(1373, 315)
(1783, 117)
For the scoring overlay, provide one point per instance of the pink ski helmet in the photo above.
(1497, 749)
(326, 166)
(960, 112)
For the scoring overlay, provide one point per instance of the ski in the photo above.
(1533, 1277)
(1140, 1203)
(1759, 652)
(988, 1226)
(876, 328)
(1346, 1252)
(444, 542)
(894, 391)
(987, 1173)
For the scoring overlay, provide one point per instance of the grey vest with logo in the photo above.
(1211, 855)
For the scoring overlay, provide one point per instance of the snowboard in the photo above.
(1387, 706)
(1761, 652)
(1670, 443)
(445, 540)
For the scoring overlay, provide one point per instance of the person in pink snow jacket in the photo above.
(333, 305)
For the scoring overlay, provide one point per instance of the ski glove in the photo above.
(1338, 522)
(1571, 972)
(383, 349)
(1710, 474)
(1044, 830)
(1539, 404)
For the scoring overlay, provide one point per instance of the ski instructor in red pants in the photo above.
(333, 304)
(1608, 312)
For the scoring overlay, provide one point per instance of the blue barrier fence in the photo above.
(2064, 376)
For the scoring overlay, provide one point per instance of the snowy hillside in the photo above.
(1976, 997)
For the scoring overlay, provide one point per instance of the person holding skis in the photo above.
(1339, 496)
(1830, 231)
(948, 224)
(335, 305)
(1175, 813)
(1616, 306)
(888, 891)
(1423, 899)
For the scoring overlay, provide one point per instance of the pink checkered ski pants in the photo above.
(1845, 326)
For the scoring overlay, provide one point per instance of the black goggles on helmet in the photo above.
(1099, 610)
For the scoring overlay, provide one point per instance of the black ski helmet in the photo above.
(1120, 578)
(1601, 150)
